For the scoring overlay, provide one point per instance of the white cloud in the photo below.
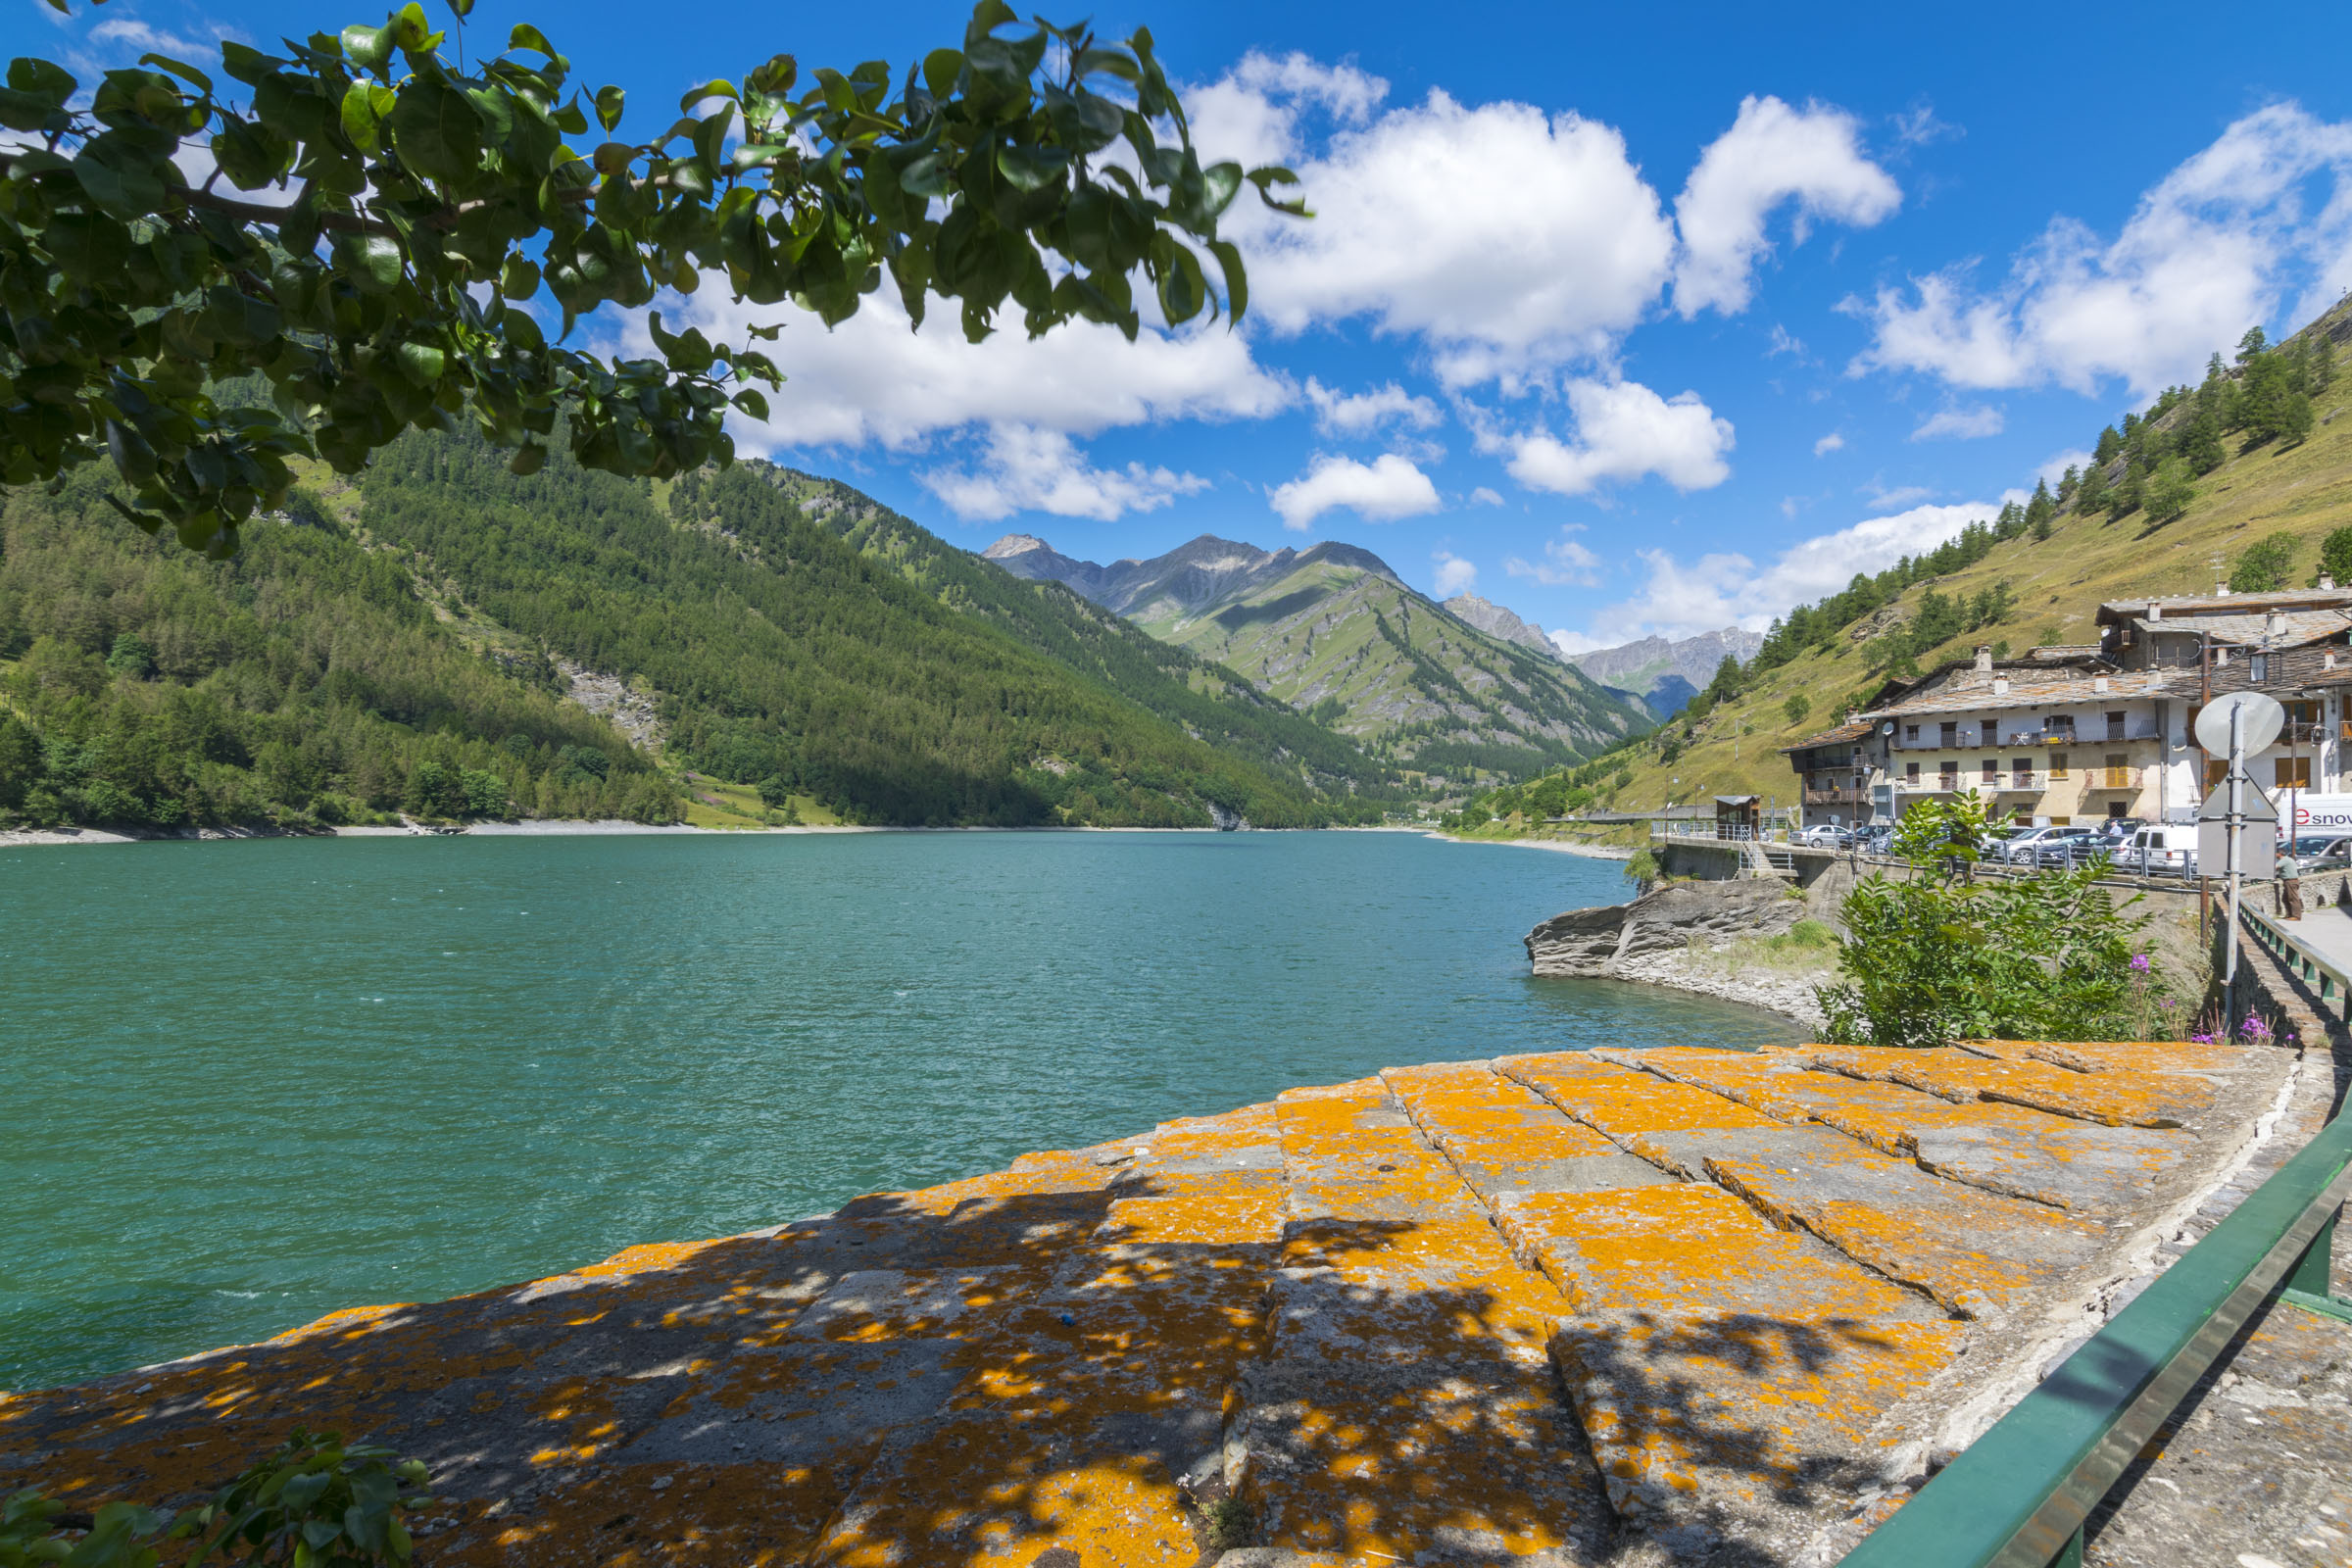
(1361, 412)
(1565, 563)
(1772, 153)
(1029, 469)
(871, 379)
(1960, 424)
(1484, 497)
(2217, 245)
(1902, 495)
(1381, 491)
(1786, 342)
(1683, 598)
(1505, 239)
(1624, 431)
(1454, 574)
(1832, 442)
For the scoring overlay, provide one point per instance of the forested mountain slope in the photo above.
(1209, 700)
(2243, 477)
(781, 652)
(396, 648)
(304, 682)
(1333, 632)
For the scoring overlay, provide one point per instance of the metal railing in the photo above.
(2331, 981)
(2018, 1497)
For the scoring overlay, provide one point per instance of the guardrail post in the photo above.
(2310, 1275)
(2070, 1556)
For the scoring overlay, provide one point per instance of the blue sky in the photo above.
(1633, 319)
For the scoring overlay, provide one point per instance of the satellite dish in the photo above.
(1886, 728)
(2263, 720)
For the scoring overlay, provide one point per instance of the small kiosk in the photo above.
(1739, 816)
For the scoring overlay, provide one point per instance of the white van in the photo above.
(2159, 851)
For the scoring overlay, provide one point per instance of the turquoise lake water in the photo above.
(248, 1083)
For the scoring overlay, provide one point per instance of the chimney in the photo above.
(2000, 685)
(1851, 715)
(2099, 683)
(1984, 659)
(2274, 624)
(2221, 590)
(2327, 583)
(2155, 611)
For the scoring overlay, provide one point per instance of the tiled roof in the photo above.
(2297, 626)
(2117, 611)
(2027, 689)
(2289, 669)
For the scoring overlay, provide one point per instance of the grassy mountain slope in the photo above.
(2299, 489)
(780, 652)
(1333, 630)
(1378, 660)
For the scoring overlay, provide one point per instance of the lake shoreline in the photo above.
(38, 838)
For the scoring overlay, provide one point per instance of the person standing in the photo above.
(2290, 883)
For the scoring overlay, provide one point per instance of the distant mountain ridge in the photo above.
(1335, 632)
(1188, 579)
(1495, 621)
(1665, 674)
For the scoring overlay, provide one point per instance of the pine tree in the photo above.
(2039, 510)
(2068, 483)
(2201, 443)
(2169, 491)
(2296, 418)
(2093, 497)
(2251, 346)
(2109, 444)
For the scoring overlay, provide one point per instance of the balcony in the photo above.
(1839, 794)
(2112, 778)
(1972, 737)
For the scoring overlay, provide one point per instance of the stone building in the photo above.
(2083, 732)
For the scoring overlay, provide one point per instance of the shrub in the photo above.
(1942, 957)
(1643, 869)
(1798, 708)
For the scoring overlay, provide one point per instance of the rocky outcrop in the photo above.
(1668, 920)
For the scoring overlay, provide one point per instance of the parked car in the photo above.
(2159, 851)
(2322, 851)
(2023, 847)
(2065, 847)
(1825, 835)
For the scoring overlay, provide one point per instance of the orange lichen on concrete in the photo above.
(1472, 1311)
(2116, 1099)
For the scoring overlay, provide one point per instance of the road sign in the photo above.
(2258, 844)
(2257, 807)
(2264, 719)
(2257, 850)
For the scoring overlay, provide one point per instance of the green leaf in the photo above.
(39, 79)
(372, 261)
(246, 63)
(752, 402)
(526, 36)
(609, 101)
(529, 459)
(422, 362)
(519, 279)
(185, 73)
(367, 47)
(461, 9)
(714, 89)
(1030, 168)
(364, 105)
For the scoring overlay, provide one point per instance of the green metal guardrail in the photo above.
(2333, 986)
(2018, 1495)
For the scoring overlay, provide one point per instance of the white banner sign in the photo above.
(2318, 814)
